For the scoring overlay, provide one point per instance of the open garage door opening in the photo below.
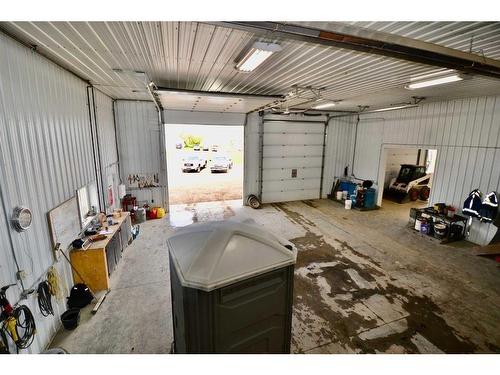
(205, 163)
(407, 175)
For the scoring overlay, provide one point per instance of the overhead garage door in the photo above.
(292, 160)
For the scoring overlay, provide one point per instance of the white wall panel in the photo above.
(465, 132)
(287, 162)
(289, 196)
(291, 139)
(291, 151)
(139, 133)
(282, 174)
(45, 155)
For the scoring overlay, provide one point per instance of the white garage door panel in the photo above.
(287, 151)
(288, 196)
(292, 139)
(286, 173)
(293, 127)
(313, 161)
(294, 184)
(288, 146)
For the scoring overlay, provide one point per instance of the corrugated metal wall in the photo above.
(107, 148)
(45, 140)
(466, 134)
(139, 134)
(338, 149)
(45, 155)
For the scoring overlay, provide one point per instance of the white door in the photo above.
(292, 160)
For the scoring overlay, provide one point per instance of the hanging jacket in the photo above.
(473, 204)
(489, 207)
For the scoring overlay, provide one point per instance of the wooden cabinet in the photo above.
(97, 263)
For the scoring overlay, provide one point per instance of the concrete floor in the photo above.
(364, 283)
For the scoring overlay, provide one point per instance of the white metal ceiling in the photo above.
(198, 56)
(482, 38)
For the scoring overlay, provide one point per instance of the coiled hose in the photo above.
(25, 327)
(45, 299)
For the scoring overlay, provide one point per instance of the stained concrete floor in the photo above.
(364, 283)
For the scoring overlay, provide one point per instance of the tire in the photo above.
(425, 192)
(413, 194)
(253, 201)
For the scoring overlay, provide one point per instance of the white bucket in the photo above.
(348, 204)
(418, 225)
(344, 194)
(339, 195)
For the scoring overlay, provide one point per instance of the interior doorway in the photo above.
(204, 163)
(406, 175)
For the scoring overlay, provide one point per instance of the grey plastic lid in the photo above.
(211, 255)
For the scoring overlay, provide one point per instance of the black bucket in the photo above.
(70, 318)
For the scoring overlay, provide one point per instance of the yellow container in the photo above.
(160, 212)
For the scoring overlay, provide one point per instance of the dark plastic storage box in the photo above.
(232, 289)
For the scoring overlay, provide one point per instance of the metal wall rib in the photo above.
(466, 134)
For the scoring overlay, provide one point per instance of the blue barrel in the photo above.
(348, 186)
(370, 198)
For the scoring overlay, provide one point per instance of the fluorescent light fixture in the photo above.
(324, 105)
(259, 53)
(394, 107)
(433, 74)
(434, 81)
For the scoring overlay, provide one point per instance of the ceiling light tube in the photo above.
(259, 53)
(432, 75)
(434, 82)
(394, 107)
(324, 105)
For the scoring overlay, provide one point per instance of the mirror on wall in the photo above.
(88, 203)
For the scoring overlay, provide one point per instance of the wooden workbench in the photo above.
(96, 263)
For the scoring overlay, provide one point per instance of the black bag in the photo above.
(79, 296)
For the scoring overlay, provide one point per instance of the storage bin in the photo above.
(140, 215)
(160, 212)
(370, 198)
(232, 289)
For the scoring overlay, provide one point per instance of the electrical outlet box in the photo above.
(21, 275)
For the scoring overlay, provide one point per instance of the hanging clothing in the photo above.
(489, 208)
(473, 204)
